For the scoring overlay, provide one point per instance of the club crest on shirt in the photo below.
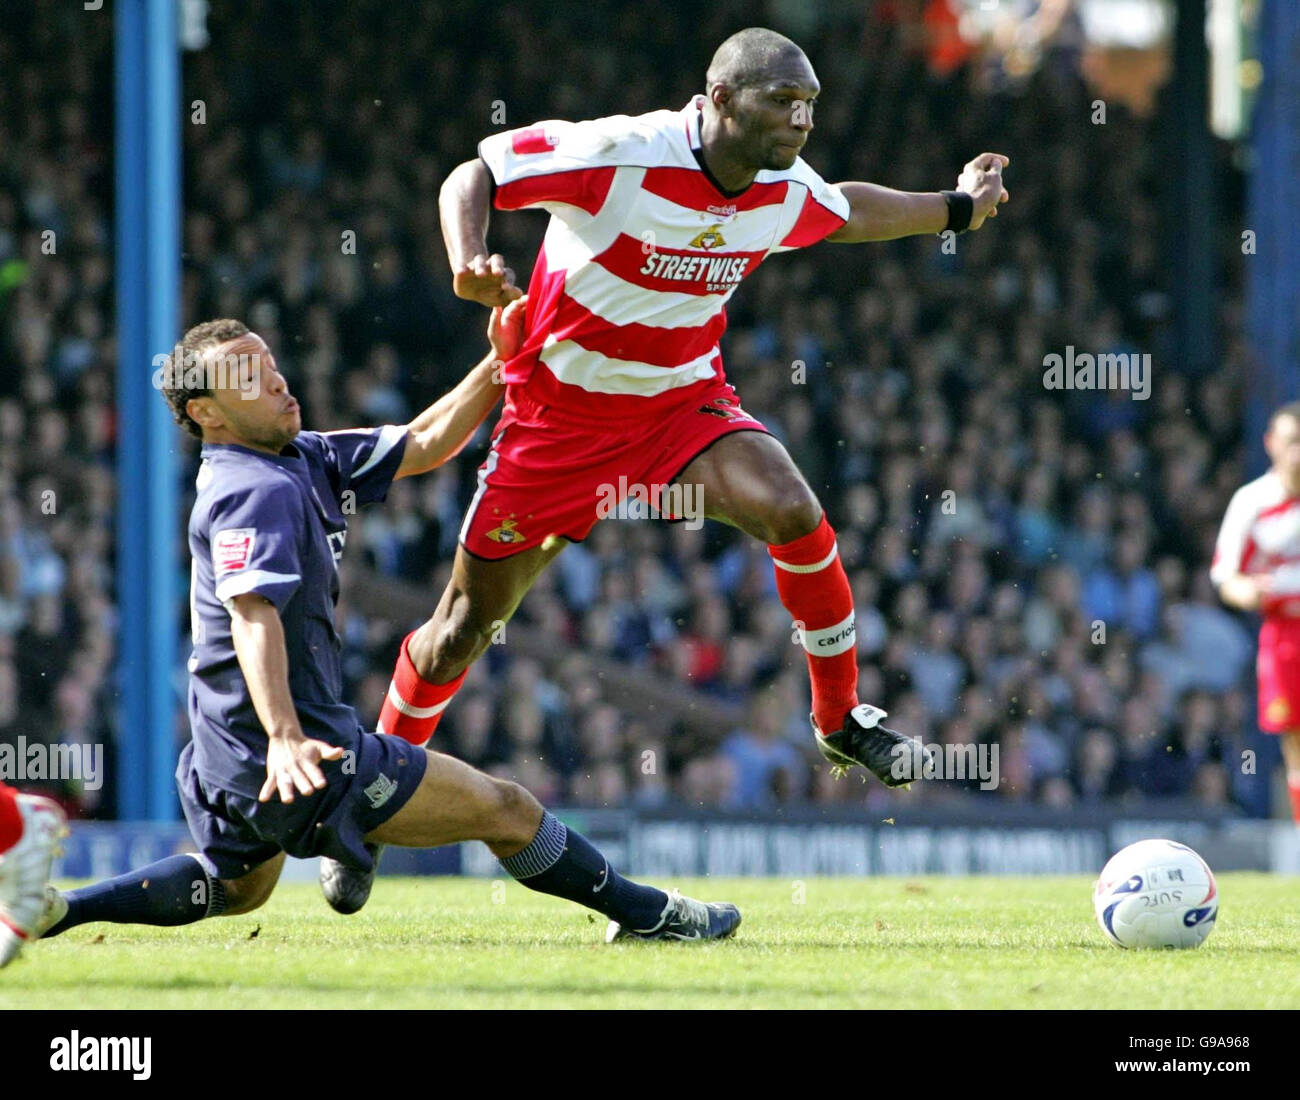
(708, 238)
(232, 549)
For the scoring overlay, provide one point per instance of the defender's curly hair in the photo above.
(176, 380)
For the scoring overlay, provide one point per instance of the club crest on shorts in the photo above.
(380, 790)
(505, 531)
(1279, 710)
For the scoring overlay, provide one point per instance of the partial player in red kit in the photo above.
(1257, 568)
(655, 220)
(30, 828)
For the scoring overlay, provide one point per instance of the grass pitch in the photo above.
(837, 943)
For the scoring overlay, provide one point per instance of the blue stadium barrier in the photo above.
(1025, 841)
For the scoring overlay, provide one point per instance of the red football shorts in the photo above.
(1278, 669)
(557, 474)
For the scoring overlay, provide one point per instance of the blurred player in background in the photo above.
(655, 220)
(278, 763)
(1257, 568)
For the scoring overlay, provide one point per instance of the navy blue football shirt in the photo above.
(276, 525)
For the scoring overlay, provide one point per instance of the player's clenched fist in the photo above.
(487, 280)
(506, 329)
(981, 179)
(1249, 591)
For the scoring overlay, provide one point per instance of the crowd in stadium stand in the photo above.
(1029, 565)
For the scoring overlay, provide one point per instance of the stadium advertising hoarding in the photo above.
(661, 845)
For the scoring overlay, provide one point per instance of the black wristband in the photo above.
(961, 208)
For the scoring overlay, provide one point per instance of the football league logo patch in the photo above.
(534, 139)
(232, 549)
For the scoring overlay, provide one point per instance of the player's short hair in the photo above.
(746, 58)
(1291, 409)
(180, 385)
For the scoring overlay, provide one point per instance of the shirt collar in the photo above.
(693, 120)
(292, 453)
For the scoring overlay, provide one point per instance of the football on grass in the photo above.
(1156, 893)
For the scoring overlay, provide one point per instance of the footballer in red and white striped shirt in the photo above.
(1257, 568)
(655, 220)
(627, 301)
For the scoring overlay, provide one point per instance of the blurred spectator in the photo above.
(768, 769)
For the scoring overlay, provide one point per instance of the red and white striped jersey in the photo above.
(628, 294)
(1261, 534)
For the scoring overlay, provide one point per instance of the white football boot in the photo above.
(25, 872)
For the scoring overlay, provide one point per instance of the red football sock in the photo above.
(811, 583)
(1293, 789)
(11, 821)
(414, 706)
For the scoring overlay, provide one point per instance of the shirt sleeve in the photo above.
(363, 461)
(253, 538)
(565, 168)
(824, 209)
(1232, 545)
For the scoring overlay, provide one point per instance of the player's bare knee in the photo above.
(453, 649)
(520, 811)
(461, 638)
(793, 512)
(515, 816)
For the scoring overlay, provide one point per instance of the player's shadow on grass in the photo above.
(178, 982)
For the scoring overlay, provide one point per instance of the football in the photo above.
(1156, 893)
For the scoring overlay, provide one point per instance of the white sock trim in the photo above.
(412, 711)
(816, 567)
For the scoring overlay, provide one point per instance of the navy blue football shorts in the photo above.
(235, 833)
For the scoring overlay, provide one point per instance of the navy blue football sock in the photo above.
(175, 890)
(564, 863)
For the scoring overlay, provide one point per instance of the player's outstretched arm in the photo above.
(882, 214)
(463, 205)
(292, 761)
(443, 429)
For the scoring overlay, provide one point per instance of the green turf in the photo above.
(866, 943)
